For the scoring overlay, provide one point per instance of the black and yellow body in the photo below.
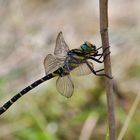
(61, 63)
(27, 89)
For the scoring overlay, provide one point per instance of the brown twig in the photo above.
(107, 65)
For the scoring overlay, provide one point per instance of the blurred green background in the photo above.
(28, 29)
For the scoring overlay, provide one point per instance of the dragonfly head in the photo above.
(88, 48)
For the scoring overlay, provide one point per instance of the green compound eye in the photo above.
(88, 47)
(85, 47)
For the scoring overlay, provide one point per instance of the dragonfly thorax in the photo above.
(73, 60)
(76, 55)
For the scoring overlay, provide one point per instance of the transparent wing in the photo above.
(65, 86)
(51, 63)
(82, 69)
(61, 48)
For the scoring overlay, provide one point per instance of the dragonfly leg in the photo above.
(106, 48)
(98, 74)
(102, 47)
(99, 48)
(106, 55)
(98, 60)
(92, 58)
(101, 55)
(99, 70)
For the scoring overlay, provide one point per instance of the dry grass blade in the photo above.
(129, 117)
(88, 127)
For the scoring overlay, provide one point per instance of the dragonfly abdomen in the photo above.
(25, 90)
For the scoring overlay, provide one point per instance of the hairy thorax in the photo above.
(73, 60)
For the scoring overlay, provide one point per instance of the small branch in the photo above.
(107, 65)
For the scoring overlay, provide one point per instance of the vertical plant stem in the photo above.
(107, 65)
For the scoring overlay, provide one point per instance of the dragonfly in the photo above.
(61, 64)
